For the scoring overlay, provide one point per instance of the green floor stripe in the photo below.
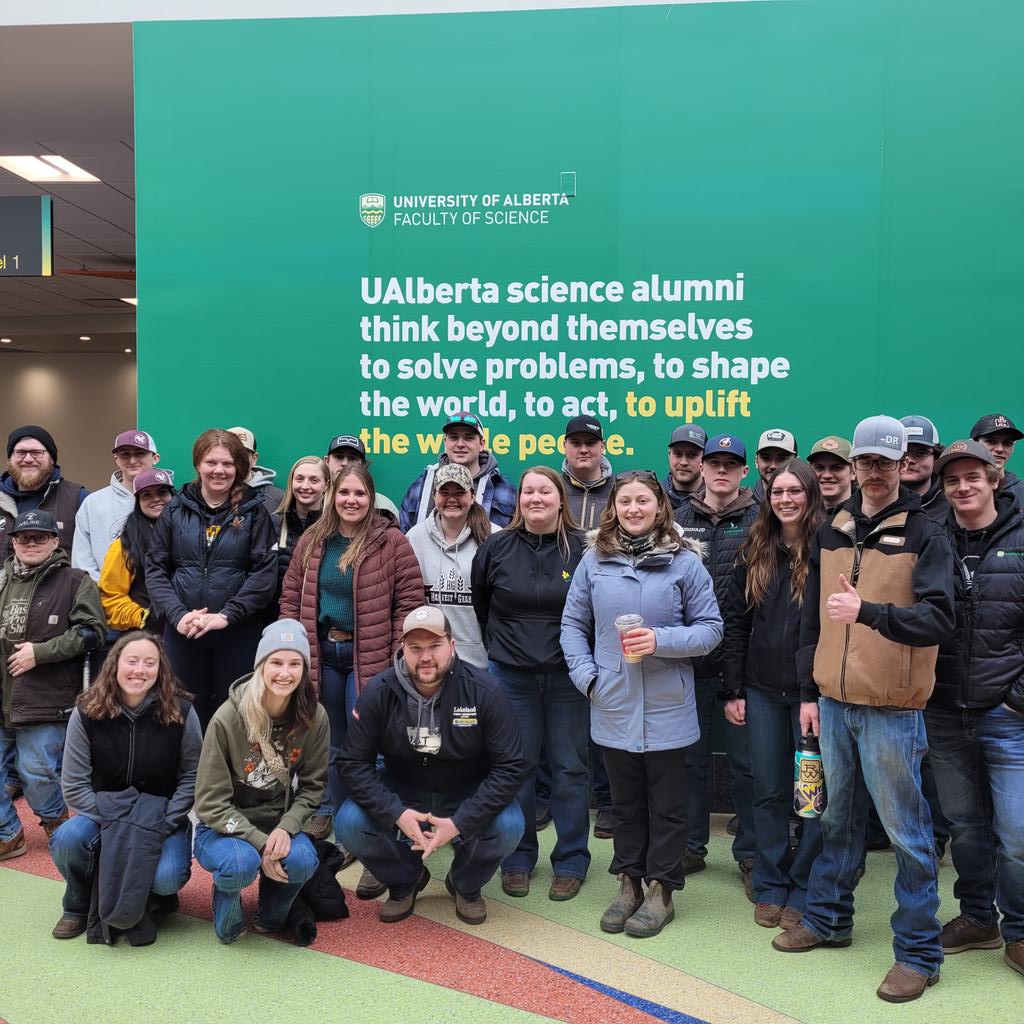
(189, 977)
(714, 938)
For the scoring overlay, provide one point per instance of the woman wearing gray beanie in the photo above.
(262, 775)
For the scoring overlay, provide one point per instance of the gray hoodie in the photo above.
(423, 729)
(445, 566)
(98, 522)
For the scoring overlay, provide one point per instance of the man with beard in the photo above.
(918, 473)
(33, 480)
(453, 765)
(685, 450)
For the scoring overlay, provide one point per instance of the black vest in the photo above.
(142, 752)
(61, 501)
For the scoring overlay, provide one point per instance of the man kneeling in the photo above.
(452, 767)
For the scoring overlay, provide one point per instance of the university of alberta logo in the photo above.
(371, 208)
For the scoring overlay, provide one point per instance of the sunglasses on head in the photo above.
(468, 418)
(636, 474)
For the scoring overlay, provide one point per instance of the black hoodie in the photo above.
(478, 756)
(981, 663)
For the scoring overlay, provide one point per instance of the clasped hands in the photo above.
(426, 839)
(199, 622)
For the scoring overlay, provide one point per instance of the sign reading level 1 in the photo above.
(26, 236)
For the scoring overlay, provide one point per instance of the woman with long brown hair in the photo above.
(133, 728)
(352, 580)
(520, 578)
(211, 571)
(762, 631)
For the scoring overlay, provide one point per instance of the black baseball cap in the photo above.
(993, 422)
(584, 425)
(37, 519)
(347, 441)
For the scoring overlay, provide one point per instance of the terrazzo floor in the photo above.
(532, 961)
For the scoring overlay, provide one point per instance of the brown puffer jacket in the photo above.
(386, 586)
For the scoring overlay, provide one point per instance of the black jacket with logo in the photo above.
(235, 574)
(721, 534)
(519, 583)
(981, 663)
(480, 758)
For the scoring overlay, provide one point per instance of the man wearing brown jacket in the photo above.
(878, 601)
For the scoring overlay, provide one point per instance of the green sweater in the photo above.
(335, 609)
(236, 792)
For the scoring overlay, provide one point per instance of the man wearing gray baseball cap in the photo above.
(918, 472)
(878, 600)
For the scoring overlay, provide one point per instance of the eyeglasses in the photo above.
(787, 492)
(31, 539)
(865, 464)
(24, 454)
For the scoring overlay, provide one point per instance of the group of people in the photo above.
(273, 665)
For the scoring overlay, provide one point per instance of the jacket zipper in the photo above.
(131, 753)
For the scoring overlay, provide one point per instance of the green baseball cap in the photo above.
(832, 445)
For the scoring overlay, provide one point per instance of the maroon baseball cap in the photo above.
(153, 478)
(135, 439)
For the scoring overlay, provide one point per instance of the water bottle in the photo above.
(808, 779)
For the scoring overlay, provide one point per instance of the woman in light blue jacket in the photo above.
(641, 686)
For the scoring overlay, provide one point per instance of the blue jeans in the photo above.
(698, 776)
(38, 751)
(978, 760)
(780, 874)
(386, 853)
(75, 849)
(550, 709)
(600, 788)
(338, 696)
(883, 747)
(234, 864)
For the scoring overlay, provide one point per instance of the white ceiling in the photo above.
(68, 90)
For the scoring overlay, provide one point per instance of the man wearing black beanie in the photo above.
(33, 480)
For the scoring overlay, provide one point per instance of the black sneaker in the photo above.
(543, 817)
(732, 826)
(603, 825)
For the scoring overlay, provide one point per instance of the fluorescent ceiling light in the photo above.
(84, 337)
(5, 341)
(48, 167)
(128, 351)
(131, 302)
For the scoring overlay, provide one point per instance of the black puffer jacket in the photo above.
(722, 534)
(760, 643)
(981, 663)
(235, 574)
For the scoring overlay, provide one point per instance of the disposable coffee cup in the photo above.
(625, 623)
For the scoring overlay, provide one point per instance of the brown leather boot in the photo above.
(13, 847)
(626, 903)
(903, 983)
(50, 825)
(655, 912)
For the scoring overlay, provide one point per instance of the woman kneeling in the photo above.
(133, 729)
(261, 777)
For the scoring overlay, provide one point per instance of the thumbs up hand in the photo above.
(844, 605)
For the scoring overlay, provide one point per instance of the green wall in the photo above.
(856, 160)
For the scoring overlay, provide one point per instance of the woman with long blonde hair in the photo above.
(520, 578)
(762, 630)
(261, 778)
